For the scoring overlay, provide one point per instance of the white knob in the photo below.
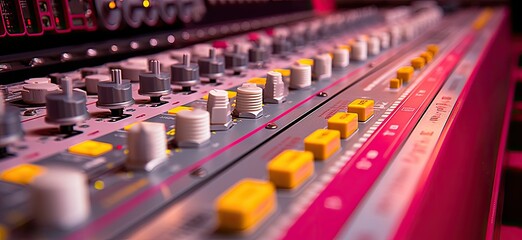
(274, 91)
(218, 105)
(322, 68)
(91, 82)
(395, 35)
(249, 101)
(35, 93)
(341, 58)
(359, 50)
(37, 80)
(192, 128)
(374, 46)
(131, 70)
(385, 40)
(60, 198)
(147, 145)
(300, 76)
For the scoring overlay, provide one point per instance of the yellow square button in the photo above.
(91, 148)
(363, 108)
(284, 72)
(405, 73)
(323, 143)
(395, 83)
(418, 62)
(22, 174)
(245, 204)
(175, 110)
(345, 123)
(427, 56)
(305, 61)
(291, 168)
(259, 81)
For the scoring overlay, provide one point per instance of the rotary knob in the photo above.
(185, 74)
(67, 108)
(218, 106)
(258, 55)
(154, 83)
(35, 93)
(236, 61)
(10, 126)
(211, 67)
(115, 95)
(192, 128)
(281, 46)
(147, 145)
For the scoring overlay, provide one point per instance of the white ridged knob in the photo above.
(91, 82)
(60, 198)
(322, 68)
(300, 76)
(395, 35)
(249, 101)
(384, 37)
(218, 105)
(374, 46)
(359, 50)
(192, 128)
(274, 91)
(147, 145)
(341, 58)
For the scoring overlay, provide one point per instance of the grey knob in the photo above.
(154, 83)
(236, 61)
(10, 126)
(115, 95)
(66, 108)
(211, 67)
(185, 74)
(258, 54)
(281, 45)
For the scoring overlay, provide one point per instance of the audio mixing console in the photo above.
(359, 124)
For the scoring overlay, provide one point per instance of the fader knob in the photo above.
(211, 67)
(10, 126)
(147, 145)
(60, 198)
(192, 128)
(91, 82)
(218, 105)
(249, 101)
(185, 74)
(236, 61)
(274, 88)
(300, 76)
(154, 83)
(35, 93)
(115, 95)
(322, 68)
(66, 108)
(359, 50)
(341, 58)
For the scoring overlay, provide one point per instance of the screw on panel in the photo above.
(322, 94)
(271, 126)
(199, 172)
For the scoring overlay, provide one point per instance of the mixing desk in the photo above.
(366, 123)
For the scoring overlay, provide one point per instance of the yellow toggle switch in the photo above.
(90, 148)
(345, 123)
(245, 204)
(395, 83)
(175, 110)
(427, 56)
(405, 73)
(363, 108)
(418, 62)
(323, 143)
(259, 81)
(284, 72)
(22, 174)
(305, 61)
(433, 48)
(291, 168)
